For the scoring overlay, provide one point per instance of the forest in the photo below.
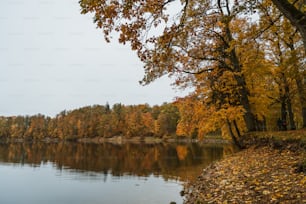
(169, 120)
(95, 121)
(245, 61)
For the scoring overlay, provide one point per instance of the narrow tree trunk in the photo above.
(244, 100)
(264, 124)
(260, 125)
(302, 97)
(304, 117)
(289, 105)
(291, 115)
(283, 113)
(237, 129)
(235, 140)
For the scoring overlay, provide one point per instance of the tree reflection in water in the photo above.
(169, 160)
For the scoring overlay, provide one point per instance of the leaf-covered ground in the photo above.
(254, 175)
(294, 139)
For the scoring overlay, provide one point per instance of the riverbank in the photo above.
(153, 140)
(120, 140)
(269, 170)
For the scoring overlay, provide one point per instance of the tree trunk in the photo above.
(300, 79)
(299, 83)
(248, 116)
(235, 140)
(288, 102)
(237, 129)
(294, 15)
(304, 117)
(264, 124)
(283, 113)
(244, 101)
(241, 83)
(291, 115)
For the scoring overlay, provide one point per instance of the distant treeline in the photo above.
(184, 117)
(95, 121)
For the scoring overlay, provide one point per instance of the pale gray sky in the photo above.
(53, 58)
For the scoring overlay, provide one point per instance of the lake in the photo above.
(79, 173)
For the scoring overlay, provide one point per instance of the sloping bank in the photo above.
(269, 170)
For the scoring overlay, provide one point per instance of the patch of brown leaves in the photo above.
(255, 175)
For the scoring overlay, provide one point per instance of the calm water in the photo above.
(64, 173)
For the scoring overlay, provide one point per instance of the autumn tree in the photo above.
(37, 128)
(147, 119)
(283, 47)
(5, 126)
(118, 119)
(257, 70)
(139, 121)
(167, 120)
(200, 40)
(295, 11)
(188, 123)
(19, 126)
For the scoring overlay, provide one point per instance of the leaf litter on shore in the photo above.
(254, 175)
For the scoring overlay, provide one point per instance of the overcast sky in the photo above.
(53, 58)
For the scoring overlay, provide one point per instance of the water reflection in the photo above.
(171, 161)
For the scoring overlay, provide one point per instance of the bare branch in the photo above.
(167, 2)
(221, 37)
(220, 8)
(194, 73)
(227, 8)
(272, 22)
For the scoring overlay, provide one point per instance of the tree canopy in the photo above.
(226, 50)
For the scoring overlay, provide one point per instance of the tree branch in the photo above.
(295, 16)
(272, 22)
(194, 73)
(227, 8)
(184, 13)
(220, 8)
(167, 2)
(221, 37)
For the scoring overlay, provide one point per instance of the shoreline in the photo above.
(119, 140)
(266, 171)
